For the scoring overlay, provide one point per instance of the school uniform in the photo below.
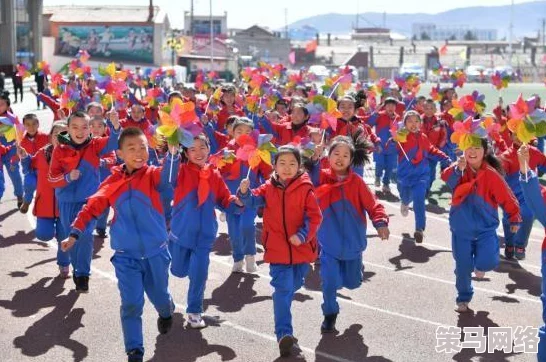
(436, 131)
(106, 163)
(385, 159)
(31, 145)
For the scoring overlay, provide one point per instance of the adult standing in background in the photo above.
(17, 84)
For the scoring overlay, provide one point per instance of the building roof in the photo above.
(256, 29)
(103, 14)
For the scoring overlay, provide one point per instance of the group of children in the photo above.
(313, 206)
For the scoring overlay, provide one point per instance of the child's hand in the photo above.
(523, 158)
(239, 203)
(114, 118)
(383, 233)
(173, 150)
(461, 163)
(74, 175)
(204, 119)
(243, 187)
(514, 228)
(21, 152)
(67, 244)
(61, 114)
(295, 240)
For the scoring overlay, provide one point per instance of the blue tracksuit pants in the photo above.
(415, 193)
(385, 165)
(136, 277)
(192, 263)
(286, 280)
(14, 175)
(48, 228)
(242, 233)
(336, 274)
(29, 186)
(82, 252)
(481, 254)
(521, 237)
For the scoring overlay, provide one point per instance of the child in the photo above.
(198, 189)
(9, 158)
(344, 199)
(414, 170)
(139, 237)
(48, 223)
(241, 227)
(98, 129)
(285, 132)
(3, 151)
(138, 119)
(436, 131)
(74, 173)
(32, 141)
(478, 190)
(291, 220)
(534, 195)
(228, 107)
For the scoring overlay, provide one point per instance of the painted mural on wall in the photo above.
(115, 43)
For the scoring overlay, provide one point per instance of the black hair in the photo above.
(360, 98)
(358, 145)
(490, 158)
(288, 149)
(347, 99)
(129, 132)
(77, 114)
(303, 89)
(230, 120)
(420, 98)
(31, 116)
(281, 102)
(57, 124)
(430, 101)
(412, 113)
(5, 96)
(175, 94)
(229, 88)
(94, 105)
(243, 121)
(99, 118)
(202, 137)
(390, 100)
(299, 105)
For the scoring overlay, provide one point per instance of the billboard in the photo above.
(115, 43)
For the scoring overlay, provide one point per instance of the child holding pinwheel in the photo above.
(253, 161)
(414, 152)
(478, 190)
(291, 220)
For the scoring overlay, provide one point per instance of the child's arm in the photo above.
(251, 198)
(537, 158)
(108, 144)
(453, 174)
(168, 174)
(374, 209)
(533, 195)
(224, 199)
(435, 153)
(505, 197)
(109, 160)
(311, 220)
(57, 177)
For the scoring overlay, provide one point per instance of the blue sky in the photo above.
(271, 13)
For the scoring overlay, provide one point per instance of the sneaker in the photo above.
(195, 320)
(404, 210)
(24, 207)
(82, 284)
(377, 182)
(101, 233)
(64, 272)
(19, 202)
(520, 253)
(386, 189)
(479, 274)
(462, 307)
(238, 267)
(329, 323)
(135, 355)
(509, 252)
(251, 266)
(285, 345)
(419, 236)
(164, 324)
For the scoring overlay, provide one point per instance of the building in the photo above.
(20, 33)
(262, 44)
(133, 35)
(430, 31)
(199, 25)
(371, 34)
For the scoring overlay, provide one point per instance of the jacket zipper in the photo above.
(135, 220)
(284, 224)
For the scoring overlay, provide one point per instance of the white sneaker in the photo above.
(238, 267)
(196, 321)
(251, 266)
(462, 307)
(386, 189)
(404, 209)
(222, 217)
(479, 274)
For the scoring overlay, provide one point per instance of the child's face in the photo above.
(430, 109)
(281, 108)
(298, 116)
(97, 128)
(241, 130)
(31, 126)
(55, 133)
(3, 106)
(474, 156)
(95, 112)
(316, 137)
(287, 166)
(347, 109)
(136, 113)
(413, 124)
(198, 153)
(229, 130)
(134, 152)
(228, 98)
(390, 108)
(79, 130)
(340, 159)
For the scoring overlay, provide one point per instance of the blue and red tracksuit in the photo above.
(143, 124)
(217, 140)
(385, 158)
(290, 208)
(224, 114)
(106, 163)
(414, 172)
(11, 162)
(31, 145)
(535, 198)
(241, 227)
(48, 222)
(342, 234)
(510, 163)
(138, 237)
(167, 193)
(473, 220)
(3, 151)
(436, 131)
(72, 195)
(197, 191)
(450, 147)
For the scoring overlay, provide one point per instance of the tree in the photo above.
(470, 36)
(425, 36)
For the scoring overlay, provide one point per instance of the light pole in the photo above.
(175, 44)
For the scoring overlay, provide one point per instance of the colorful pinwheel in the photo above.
(323, 112)
(468, 133)
(255, 148)
(500, 80)
(526, 121)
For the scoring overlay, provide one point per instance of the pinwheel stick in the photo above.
(403, 151)
(171, 168)
(258, 109)
(248, 173)
(526, 172)
(208, 103)
(334, 90)
(323, 136)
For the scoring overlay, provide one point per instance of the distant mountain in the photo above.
(527, 20)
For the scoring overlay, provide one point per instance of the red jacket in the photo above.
(435, 130)
(143, 124)
(45, 202)
(284, 133)
(289, 210)
(224, 114)
(33, 144)
(53, 104)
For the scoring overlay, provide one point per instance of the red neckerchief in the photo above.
(203, 188)
(465, 189)
(325, 189)
(107, 190)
